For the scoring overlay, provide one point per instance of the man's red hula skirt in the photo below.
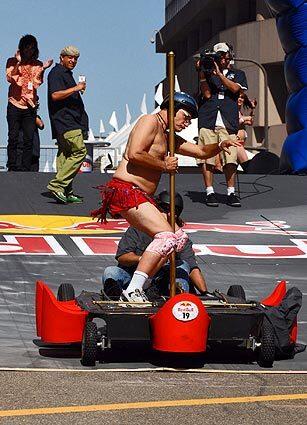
(118, 196)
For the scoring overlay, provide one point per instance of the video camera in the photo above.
(207, 59)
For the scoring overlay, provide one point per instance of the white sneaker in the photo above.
(135, 296)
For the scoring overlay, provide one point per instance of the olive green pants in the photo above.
(71, 153)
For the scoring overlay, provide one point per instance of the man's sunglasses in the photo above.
(187, 116)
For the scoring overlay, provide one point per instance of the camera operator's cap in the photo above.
(70, 51)
(221, 47)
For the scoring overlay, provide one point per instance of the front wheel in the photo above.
(266, 354)
(89, 344)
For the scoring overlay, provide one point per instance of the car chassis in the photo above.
(96, 322)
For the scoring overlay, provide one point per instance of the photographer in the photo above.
(220, 86)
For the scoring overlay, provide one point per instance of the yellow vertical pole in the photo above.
(171, 114)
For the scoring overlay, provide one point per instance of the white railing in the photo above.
(48, 155)
(46, 161)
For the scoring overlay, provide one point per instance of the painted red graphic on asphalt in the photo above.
(107, 245)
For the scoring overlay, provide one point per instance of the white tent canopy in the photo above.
(118, 140)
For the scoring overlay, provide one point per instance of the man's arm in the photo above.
(127, 247)
(129, 259)
(203, 83)
(12, 71)
(63, 94)
(204, 86)
(240, 83)
(202, 152)
(40, 68)
(198, 280)
(230, 85)
(141, 140)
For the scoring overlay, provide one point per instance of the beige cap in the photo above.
(70, 51)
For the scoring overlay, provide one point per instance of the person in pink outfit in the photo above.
(25, 73)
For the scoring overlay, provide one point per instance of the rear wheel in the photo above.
(236, 291)
(66, 292)
(266, 354)
(89, 344)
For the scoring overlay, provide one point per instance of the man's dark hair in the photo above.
(28, 48)
(247, 103)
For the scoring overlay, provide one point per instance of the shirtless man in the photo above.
(129, 193)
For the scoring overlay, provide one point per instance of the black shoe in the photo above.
(233, 200)
(211, 200)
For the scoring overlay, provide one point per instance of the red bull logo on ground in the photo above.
(37, 235)
(54, 225)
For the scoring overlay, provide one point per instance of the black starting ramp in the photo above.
(254, 246)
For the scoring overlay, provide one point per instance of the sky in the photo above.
(117, 58)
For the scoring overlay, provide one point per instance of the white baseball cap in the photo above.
(221, 47)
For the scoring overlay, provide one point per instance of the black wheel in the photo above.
(236, 291)
(89, 344)
(66, 292)
(266, 354)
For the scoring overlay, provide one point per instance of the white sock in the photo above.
(137, 281)
(209, 190)
(230, 190)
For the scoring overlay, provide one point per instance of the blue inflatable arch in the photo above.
(291, 22)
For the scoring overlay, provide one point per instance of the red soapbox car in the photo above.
(185, 323)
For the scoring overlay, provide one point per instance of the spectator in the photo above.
(218, 117)
(130, 249)
(244, 120)
(24, 72)
(69, 124)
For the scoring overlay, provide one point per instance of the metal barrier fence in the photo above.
(105, 158)
(46, 161)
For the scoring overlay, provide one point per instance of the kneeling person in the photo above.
(130, 250)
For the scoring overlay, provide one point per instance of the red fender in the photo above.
(181, 325)
(276, 297)
(57, 321)
(39, 306)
